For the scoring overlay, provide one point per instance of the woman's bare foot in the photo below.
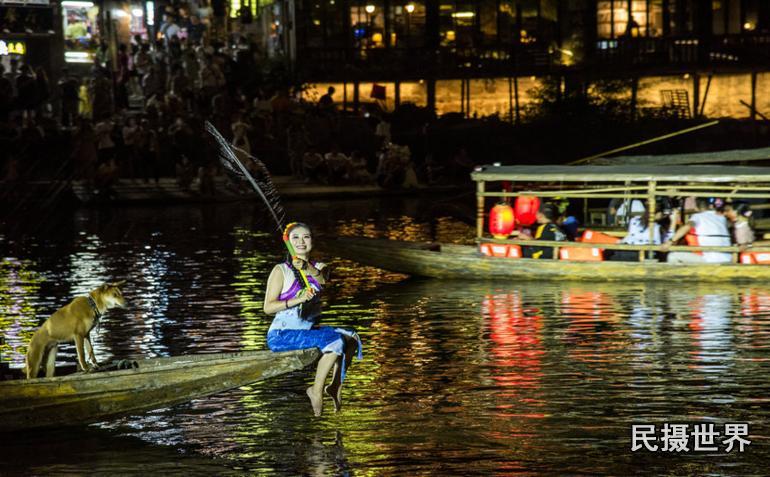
(334, 392)
(316, 401)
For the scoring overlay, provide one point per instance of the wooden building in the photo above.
(399, 41)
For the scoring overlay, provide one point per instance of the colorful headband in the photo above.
(286, 231)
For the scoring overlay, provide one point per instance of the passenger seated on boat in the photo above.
(639, 233)
(567, 223)
(709, 228)
(739, 215)
(297, 310)
(546, 230)
(620, 213)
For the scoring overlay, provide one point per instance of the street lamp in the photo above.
(369, 9)
(410, 8)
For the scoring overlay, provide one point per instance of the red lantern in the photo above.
(526, 208)
(501, 221)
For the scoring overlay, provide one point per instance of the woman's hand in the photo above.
(306, 294)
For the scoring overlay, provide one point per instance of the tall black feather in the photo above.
(262, 183)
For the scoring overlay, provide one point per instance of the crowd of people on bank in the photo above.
(139, 114)
(695, 221)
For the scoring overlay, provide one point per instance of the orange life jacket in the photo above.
(581, 254)
(500, 250)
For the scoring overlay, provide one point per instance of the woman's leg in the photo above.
(334, 390)
(315, 392)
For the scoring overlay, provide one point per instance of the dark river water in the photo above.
(458, 378)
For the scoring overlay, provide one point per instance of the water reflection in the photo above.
(458, 377)
(19, 288)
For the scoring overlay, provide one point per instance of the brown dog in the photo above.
(72, 322)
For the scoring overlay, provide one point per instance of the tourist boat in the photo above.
(492, 258)
(83, 398)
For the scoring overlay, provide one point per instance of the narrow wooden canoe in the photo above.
(167, 191)
(465, 262)
(84, 398)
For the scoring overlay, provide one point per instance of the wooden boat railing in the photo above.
(734, 250)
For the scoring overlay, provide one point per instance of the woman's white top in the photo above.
(743, 233)
(711, 230)
(289, 319)
(639, 233)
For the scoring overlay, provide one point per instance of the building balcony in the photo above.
(620, 55)
(417, 63)
(728, 51)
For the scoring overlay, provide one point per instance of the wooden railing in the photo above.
(610, 54)
(556, 245)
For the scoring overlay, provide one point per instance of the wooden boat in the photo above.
(450, 261)
(577, 182)
(85, 398)
(167, 191)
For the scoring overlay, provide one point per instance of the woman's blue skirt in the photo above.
(325, 338)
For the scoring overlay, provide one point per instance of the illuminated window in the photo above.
(408, 24)
(367, 21)
(256, 6)
(613, 19)
(81, 30)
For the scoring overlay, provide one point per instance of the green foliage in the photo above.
(601, 100)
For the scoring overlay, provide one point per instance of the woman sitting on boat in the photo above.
(739, 214)
(708, 227)
(297, 308)
(546, 230)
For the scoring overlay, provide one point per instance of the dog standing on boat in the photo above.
(72, 322)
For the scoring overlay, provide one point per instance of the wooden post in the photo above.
(695, 94)
(431, 93)
(479, 209)
(651, 216)
(510, 99)
(397, 94)
(516, 97)
(468, 96)
(705, 94)
(753, 95)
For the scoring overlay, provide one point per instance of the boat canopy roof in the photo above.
(717, 157)
(632, 173)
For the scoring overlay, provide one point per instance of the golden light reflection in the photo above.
(253, 268)
(407, 228)
(351, 228)
(19, 290)
(449, 230)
